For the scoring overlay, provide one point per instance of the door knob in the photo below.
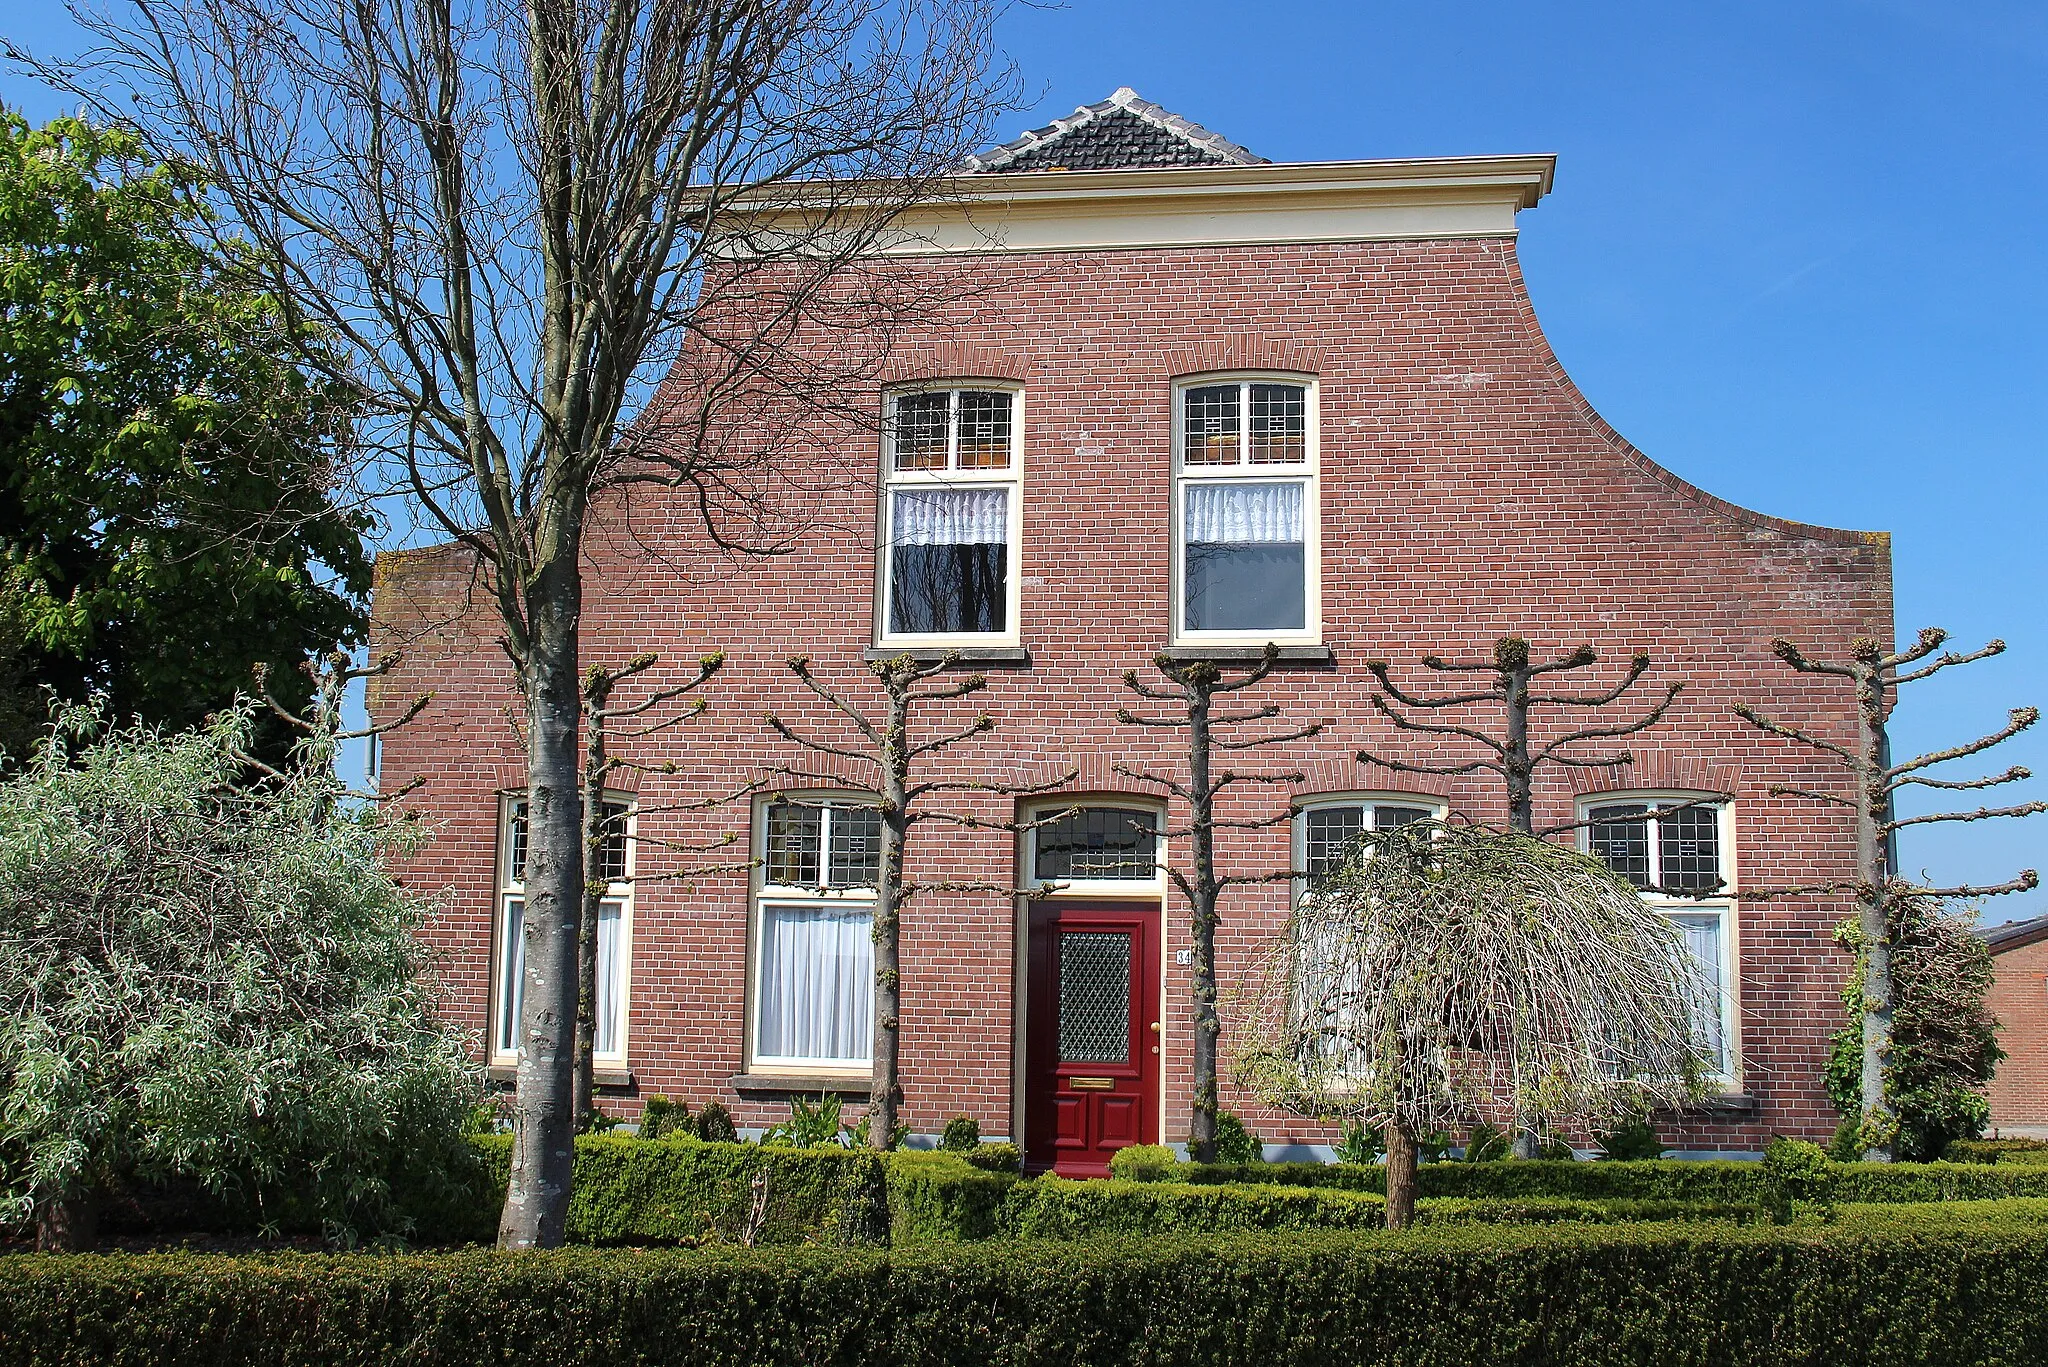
(1155, 1027)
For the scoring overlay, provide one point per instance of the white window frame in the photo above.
(1151, 889)
(1722, 903)
(763, 894)
(1307, 473)
(1009, 479)
(510, 889)
(1368, 799)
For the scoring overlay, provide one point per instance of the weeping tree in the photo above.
(888, 748)
(1515, 757)
(1440, 976)
(505, 224)
(1889, 905)
(1195, 688)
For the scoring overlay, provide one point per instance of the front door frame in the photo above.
(1144, 920)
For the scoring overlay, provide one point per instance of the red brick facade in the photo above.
(2019, 999)
(1468, 491)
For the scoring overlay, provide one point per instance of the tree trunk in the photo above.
(1873, 872)
(885, 1081)
(1401, 1165)
(544, 1110)
(1520, 772)
(1202, 981)
(68, 1225)
(594, 886)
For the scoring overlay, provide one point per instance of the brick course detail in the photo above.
(1468, 491)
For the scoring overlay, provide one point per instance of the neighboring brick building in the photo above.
(2019, 999)
(1198, 401)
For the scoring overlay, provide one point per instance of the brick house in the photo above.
(1201, 402)
(2019, 999)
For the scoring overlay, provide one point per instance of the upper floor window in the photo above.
(1246, 510)
(614, 934)
(950, 515)
(1325, 828)
(1676, 848)
(1119, 848)
(812, 998)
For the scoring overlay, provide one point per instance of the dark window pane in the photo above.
(1209, 425)
(515, 869)
(856, 853)
(1099, 842)
(611, 865)
(792, 853)
(1622, 845)
(920, 432)
(1279, 424)
(1095, 997)
(949, 589)
(984, 430)
(1689, 849)
(1325, 833)
(1386, 818)
(1256, 586)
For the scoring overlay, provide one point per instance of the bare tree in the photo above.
(1515, 757)
(509, 221)
(1874, 782)
(886, 745)
(1196, 687)
(1441, 975)
(320, 727)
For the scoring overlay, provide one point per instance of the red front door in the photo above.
(1092, 1048)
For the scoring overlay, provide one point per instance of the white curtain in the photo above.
(817, 982)
(1701, 935)
(1243, 514)
(611, 982)
(951, 517)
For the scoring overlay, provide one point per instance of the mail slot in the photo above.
(1092, 1084)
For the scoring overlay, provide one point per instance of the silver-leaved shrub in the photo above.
(210, 981)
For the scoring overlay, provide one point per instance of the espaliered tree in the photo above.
(1883, 896)
(601, 718)
(551, 248)
(1515, 757)
(1196, 687)
(887, 746)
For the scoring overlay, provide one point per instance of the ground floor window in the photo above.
(614, 923)
(813, 933)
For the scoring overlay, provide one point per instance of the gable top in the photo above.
(2015, 934)
(1123, 133)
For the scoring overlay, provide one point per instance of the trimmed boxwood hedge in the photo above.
(1687, 1296)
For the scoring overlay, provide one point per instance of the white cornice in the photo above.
(1326, 201)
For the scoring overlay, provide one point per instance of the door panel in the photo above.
(1092, 1043)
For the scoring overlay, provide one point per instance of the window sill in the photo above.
(841, 1083)
(508, 1073)
(1727, 1103)
(1226, 654)
(967, 655)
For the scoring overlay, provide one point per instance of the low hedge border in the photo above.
(1682, 1295)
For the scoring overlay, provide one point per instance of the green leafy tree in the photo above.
(168, 509)
(214, 981)
(1944, 1044)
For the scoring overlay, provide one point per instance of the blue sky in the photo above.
(1794, 254)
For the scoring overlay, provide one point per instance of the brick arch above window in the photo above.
(1349, 776)
(1093, 776)
(955, 361)
(1655, 771)
(1243, 353)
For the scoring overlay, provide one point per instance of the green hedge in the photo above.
(1991, 1150)
(1590, 1296)
(1054, 1208)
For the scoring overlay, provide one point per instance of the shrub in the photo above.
(963, 1132)
(1055, 1208)
(945, 1197)
(662, 1118)
(1590, 1296)
(996, 1157)
(1631, 1143)
(1361, 1143)
(1990, 1150)
(1234, 1143)
(1485, 1144)
(1799, 1175)
(809, 1126)
(714, 1124)
(1143, 1163)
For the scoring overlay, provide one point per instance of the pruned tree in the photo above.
(319, 728)
(602, 825)
(505, 224)
(1196, 686)
(886, 745)
(1874, 782)
(1515, 757)
(1441, 975)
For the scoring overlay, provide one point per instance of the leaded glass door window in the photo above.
(1095, 997)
